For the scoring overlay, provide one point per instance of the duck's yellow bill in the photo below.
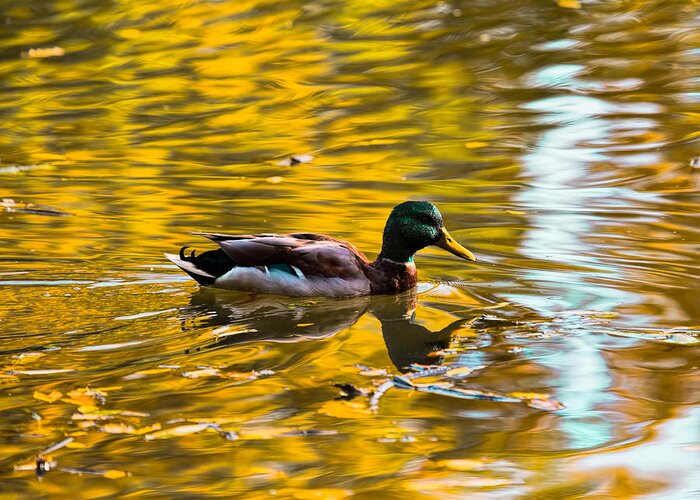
(448, 243)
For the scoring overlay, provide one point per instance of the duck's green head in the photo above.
(414, 225)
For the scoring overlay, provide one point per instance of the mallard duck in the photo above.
(307, 264)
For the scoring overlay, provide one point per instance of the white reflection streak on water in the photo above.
(558, 199)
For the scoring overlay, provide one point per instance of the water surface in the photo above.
(557, 139)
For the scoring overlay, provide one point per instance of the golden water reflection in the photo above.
(557, 139)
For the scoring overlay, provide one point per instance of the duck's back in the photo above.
(297, 264)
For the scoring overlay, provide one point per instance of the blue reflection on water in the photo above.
(581, 132)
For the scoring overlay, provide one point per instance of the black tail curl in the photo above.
(184, 257)
(214, 262)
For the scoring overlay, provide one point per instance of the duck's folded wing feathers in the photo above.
(259, 250)
(328, 259)
(311, 254)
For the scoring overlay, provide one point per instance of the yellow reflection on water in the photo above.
(557, 140)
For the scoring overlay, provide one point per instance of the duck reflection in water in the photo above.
(285, 320)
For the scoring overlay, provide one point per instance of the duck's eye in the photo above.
(424, 218)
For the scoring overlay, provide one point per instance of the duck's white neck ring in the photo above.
(409, 263)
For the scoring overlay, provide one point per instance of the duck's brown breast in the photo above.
(387, 276)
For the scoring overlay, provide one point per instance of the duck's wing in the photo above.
(278, 263)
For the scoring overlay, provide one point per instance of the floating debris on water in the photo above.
(11, 205)
(47, 371)
(447, 387)
(295, 160)
(16, 169)
(367, 371)
(43, 463)
(349, 392)
(677, 336)
(42, 53)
